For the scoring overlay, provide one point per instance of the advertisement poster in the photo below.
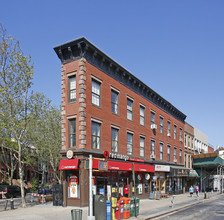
(140, 188)
(121, 190)
(73, 186)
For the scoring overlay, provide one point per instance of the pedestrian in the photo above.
(191, 190)
(126, 191)
(197, 190)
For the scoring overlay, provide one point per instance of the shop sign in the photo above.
(162, 168)
(178, 172)
(147, 176)
(69, 154)
(136, 159)
(139, 188)
(115, 156)
(103, 165)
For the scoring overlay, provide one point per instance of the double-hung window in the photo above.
(153, 147)
(175, 154)
(161, 125)
(175, 132)
(180, 154)
(168, 153)
(142, 146)
(142, 115)
(181, 139)
(161, 151)
(129, 143)
(72, 132)
(153, 118)
(96, 92)
(114, 140)
(129, 109)
(96, 135)
(114, 102)
(72, 88)
(168, 129)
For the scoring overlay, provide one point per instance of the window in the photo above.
(142, 147)
(189, 161)
(189, 140)
(72, 132)
(96, 135)
(168, 153)
(175, 132)
(161, 151)
(175, 154)
(129, 109)
(114, 140)
(185, 160)
(95, 92)
(142, 115)
(161, 125)
(72, 89)
(152, 147)
(185, 140)
(180, 154)
(152, 118)
(181, 139)
(114, 102)
(168, 129)
(129, 143)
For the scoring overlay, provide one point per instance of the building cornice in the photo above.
(81, 47)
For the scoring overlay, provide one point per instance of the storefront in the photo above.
(175, 180)
(110, 175)
(160, 178)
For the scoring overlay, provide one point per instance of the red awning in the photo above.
(71, 164)
(114, 165)
(144, 168)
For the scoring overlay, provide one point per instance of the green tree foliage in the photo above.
(20, 108)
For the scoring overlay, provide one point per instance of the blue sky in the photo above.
(175, 47)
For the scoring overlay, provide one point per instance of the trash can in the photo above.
(100, 208)
(76, 214)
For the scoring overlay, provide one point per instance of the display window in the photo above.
(73, 185)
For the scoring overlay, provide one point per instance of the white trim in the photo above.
(142, 105)
(69, 74)
(71, 117)
(96, 78)
(96, 120)
(115, 126)
(115, 90)
(129, 131)
(129, 97)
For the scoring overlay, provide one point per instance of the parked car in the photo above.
(10, 191)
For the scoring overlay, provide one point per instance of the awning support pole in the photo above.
(90, 217)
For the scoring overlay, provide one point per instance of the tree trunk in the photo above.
(43, 165)
(21, 175)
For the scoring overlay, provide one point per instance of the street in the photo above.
(209, 210)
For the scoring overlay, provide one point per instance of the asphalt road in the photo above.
(211, 210)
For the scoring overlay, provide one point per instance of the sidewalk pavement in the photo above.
(148, 209)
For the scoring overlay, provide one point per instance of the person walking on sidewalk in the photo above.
(191, 190)
(197, 190)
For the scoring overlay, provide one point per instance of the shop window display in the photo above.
(73, 185)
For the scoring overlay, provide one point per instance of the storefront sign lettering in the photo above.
(115, 156)
(162, 168)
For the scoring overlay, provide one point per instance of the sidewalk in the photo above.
(154, 208)
(148, 209)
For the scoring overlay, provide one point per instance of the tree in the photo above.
(19, 105)
(48, 139)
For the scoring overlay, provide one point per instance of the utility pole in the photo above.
(90, 217)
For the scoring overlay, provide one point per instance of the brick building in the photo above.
(125, 125)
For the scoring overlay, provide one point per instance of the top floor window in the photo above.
(114, 102)
(175, 132)
(161, 125)
(142, 115)
(72, 88)
(168, 129)
(153, 118)
(96, 92)
(181, 139)
(129, 109)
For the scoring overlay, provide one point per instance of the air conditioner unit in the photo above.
(152, 156)
(169, 135)
(153, 126)
(175, 160)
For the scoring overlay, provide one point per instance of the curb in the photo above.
(178, 209)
